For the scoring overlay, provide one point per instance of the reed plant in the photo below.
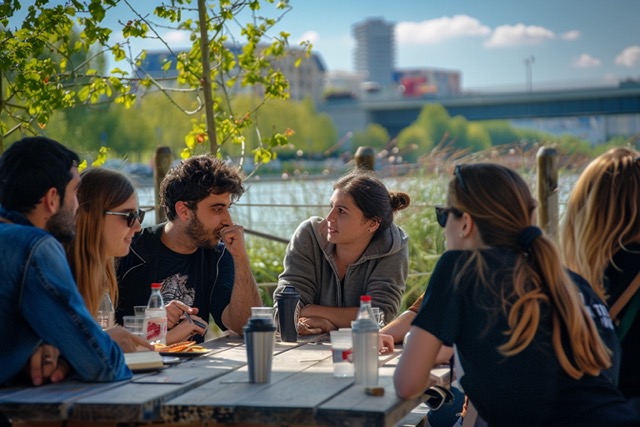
(427, 185)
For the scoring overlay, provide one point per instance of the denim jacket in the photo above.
(41, 304)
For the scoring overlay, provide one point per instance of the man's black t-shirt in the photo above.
(203, 279)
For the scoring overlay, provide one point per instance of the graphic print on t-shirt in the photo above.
(175, 287)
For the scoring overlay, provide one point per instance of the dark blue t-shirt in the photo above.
(529, 388)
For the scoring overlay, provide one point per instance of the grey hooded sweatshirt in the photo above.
(381, 271)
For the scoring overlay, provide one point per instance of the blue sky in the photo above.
(571, 41)
(487, 40)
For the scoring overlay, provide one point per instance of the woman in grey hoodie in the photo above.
(356, 250)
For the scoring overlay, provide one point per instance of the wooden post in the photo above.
(548, 191)
(365, 158)
(161, 164)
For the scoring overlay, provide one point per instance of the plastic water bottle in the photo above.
(106, 313)
(365, 344)
(155, 317)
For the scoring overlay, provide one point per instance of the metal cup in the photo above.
(259, 336)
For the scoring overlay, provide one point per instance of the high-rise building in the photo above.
(375, 50)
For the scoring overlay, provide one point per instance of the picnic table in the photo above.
(213, 389)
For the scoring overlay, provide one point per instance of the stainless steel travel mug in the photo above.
(259, 335)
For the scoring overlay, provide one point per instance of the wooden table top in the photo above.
(214, 388)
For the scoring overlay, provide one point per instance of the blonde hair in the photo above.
(603, 215)
(100, 190)
(501, 206)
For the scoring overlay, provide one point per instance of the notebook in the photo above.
(143, 360)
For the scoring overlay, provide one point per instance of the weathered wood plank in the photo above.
(141, 402)
(233, 399)
(213, 390)
(51, 402)
(353, 407)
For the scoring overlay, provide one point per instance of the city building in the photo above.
(375, 50)
(427, 82)
(306, 79)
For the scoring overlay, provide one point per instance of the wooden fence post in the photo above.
(365, 158)
(548, 216)
(162, 160)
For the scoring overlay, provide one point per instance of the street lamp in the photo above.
(528, 64)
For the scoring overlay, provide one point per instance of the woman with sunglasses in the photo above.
(108, 216)
(601, 241)
(529, 352)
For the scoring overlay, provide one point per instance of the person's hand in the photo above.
(385, 343)
(233, 238)
(175, 312)
(184, 330)
(127, 341)
(45, 365)
(314, 325)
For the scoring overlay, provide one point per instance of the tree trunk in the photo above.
(206, 77)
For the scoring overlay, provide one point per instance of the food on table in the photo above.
(180, 347)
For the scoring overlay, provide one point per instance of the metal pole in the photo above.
(528, 63)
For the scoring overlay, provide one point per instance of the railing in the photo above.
(547, 185)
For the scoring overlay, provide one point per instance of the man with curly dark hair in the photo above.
(199, 254)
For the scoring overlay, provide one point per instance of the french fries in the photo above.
(180, 347)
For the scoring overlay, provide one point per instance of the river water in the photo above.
(276, 207)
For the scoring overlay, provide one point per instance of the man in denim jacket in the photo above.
(41, 311)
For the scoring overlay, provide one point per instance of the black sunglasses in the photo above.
(131, 216)
(442, 214)
(457, 171)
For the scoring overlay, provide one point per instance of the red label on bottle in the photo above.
(153, 331)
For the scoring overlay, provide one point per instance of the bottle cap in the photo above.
(156, 286)
(365, 298)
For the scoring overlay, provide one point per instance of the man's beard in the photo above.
(62, 225)
(200, 236)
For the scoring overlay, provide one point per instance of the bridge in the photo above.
(396, 114)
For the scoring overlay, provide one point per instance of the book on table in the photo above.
(143, 360)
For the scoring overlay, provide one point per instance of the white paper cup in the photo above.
(342, 353)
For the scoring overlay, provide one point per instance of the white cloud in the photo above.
(520, 34)
(437, 30)
(571, 35)
(177, 38)
(310, 36)
(629, 57)
(586, 61)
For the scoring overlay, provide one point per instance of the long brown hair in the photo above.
(603, 214)
(100, 190)
(501, 206)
